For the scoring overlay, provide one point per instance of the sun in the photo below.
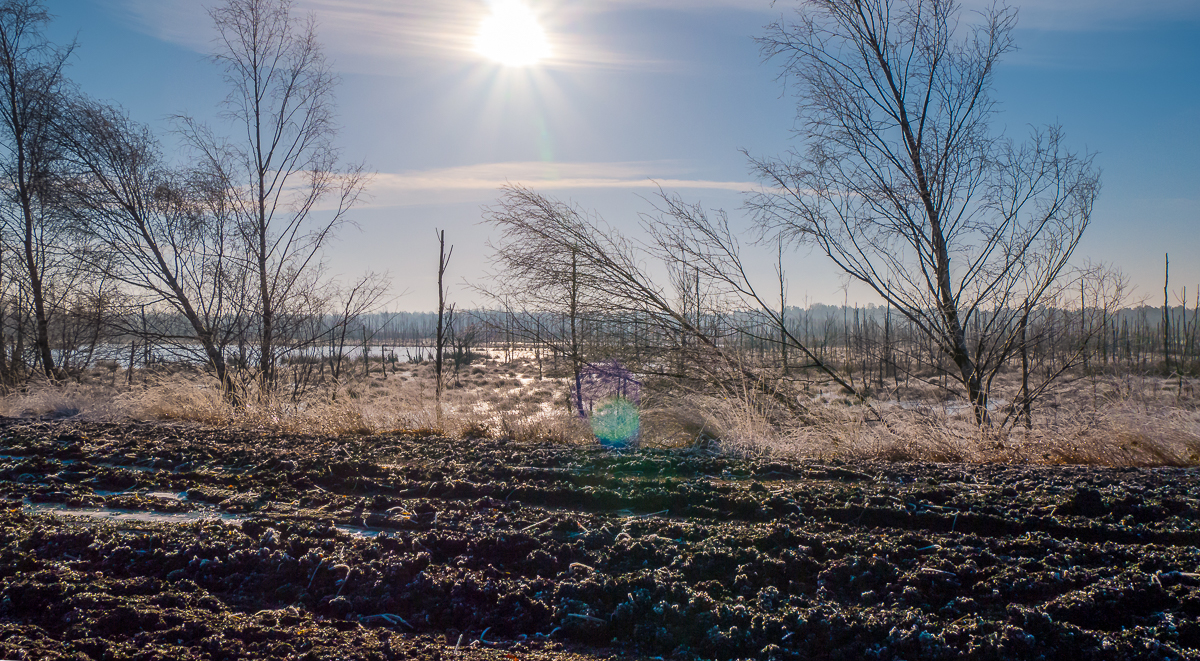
(511, 35)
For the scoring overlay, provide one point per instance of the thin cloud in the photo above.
(751, 6)
(445, 31)
(417, 187)
(384, 31)
(1085, 15)
(1061, 14)
(175, 21)
(379, 36)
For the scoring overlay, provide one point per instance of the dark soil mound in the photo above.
(173, 542)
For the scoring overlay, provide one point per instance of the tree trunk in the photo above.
(443, 260)
(1166, 334)
(1026, 405)
(41, 319)
(576, 358)
(265, 362)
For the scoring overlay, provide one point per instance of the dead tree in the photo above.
(711, 248)
(444, 316)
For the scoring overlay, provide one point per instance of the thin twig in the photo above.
(534, 525)
(646, 516)
(314, 574)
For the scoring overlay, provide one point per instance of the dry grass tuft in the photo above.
(1101, 421)
(546, 426)
(490, 400)
(1098, 420)
(41, 399)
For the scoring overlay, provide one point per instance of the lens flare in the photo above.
(615, 422)
(512, 36)
(607, 395)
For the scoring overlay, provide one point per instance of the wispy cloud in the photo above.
(381, 35)
(421, 186)
(446, 30)
(753, 6)
(174, 21)
(387, 31)
(1084, 15)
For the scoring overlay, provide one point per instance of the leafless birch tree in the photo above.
(709, 246)
(539, 270)
(167, 236)
(904, 185)
(552, 255)
(287, 190)
(31, 75)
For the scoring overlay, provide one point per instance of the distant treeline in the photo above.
(1131, 334)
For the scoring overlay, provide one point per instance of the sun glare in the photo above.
(511, 35)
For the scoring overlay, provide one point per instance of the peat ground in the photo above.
(151, 541)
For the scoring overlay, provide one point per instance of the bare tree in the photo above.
(711, 248)
(335, 315)
(553, 255)
(905, 186)
(445, 321)
(165, 234)
(31, 74)
(538, 273)
(1166, 313)
(1102, 290)
(283, 165)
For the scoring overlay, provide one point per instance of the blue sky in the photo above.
(668, 90)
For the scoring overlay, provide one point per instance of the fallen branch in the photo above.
(534, 525)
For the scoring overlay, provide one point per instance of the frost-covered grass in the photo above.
(1101, 419)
